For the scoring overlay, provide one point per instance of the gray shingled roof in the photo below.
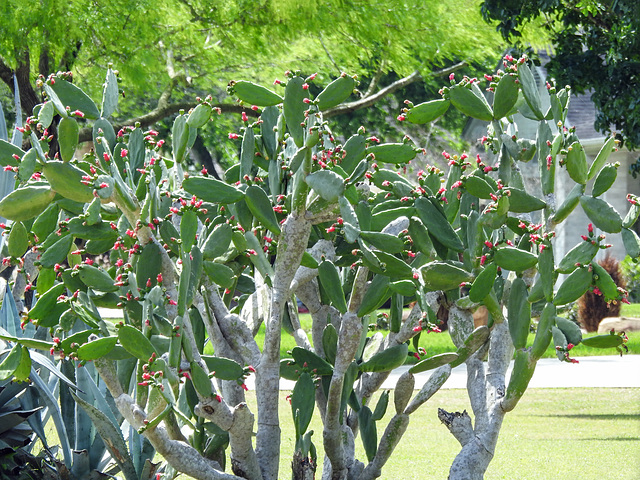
(582, 115)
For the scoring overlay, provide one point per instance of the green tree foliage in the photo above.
(170, 52)
(596, 48)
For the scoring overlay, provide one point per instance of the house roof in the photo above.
(582, 115)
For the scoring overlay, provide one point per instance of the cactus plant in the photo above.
(193, 260)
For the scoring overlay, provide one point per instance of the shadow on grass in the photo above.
(596, 416)
(607, 439)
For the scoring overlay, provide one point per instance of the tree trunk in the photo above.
(28, 96)
(200, 155)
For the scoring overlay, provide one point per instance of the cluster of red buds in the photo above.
(425, 325)
(565, 351)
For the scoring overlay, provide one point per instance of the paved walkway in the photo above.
(606, 371)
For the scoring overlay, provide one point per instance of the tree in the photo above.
(297, 217)
(186, 48)
(596, 49)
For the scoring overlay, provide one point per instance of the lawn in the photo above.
(582, 433)
(630, 310)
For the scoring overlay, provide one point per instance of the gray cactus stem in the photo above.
(359, 289)
(479, 443)
(477, 388)
(310, 296)
(348, 340)
(500, 354)
(244, 461)
(228, 326)
(292, 244)
(300, 336)
(390, 438)
(320, 314)
(399, 423)
(322, 248)
(181, 456)
(29, 272)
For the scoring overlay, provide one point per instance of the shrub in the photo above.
(592, 306)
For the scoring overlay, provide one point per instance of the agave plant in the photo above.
(15, 432)
(79, 405)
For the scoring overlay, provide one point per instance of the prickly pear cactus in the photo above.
(197, 265)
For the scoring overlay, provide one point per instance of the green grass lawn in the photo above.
(581, 433)
(630, 310)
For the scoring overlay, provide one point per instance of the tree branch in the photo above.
(369, 100)
(373, 83)
(329, 55)
(28, 96)
(366, 102)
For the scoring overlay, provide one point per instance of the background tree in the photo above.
(596, 49)
(168, 54)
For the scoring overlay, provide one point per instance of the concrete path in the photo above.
(606, 371)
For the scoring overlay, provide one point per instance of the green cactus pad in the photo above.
(505, 97)
(428, 111)
(601, 213)
(443, 276)
(470, 103)
(514, 259)
(387, 359)
(433, 362)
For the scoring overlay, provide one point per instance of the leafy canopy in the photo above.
(198, 45)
